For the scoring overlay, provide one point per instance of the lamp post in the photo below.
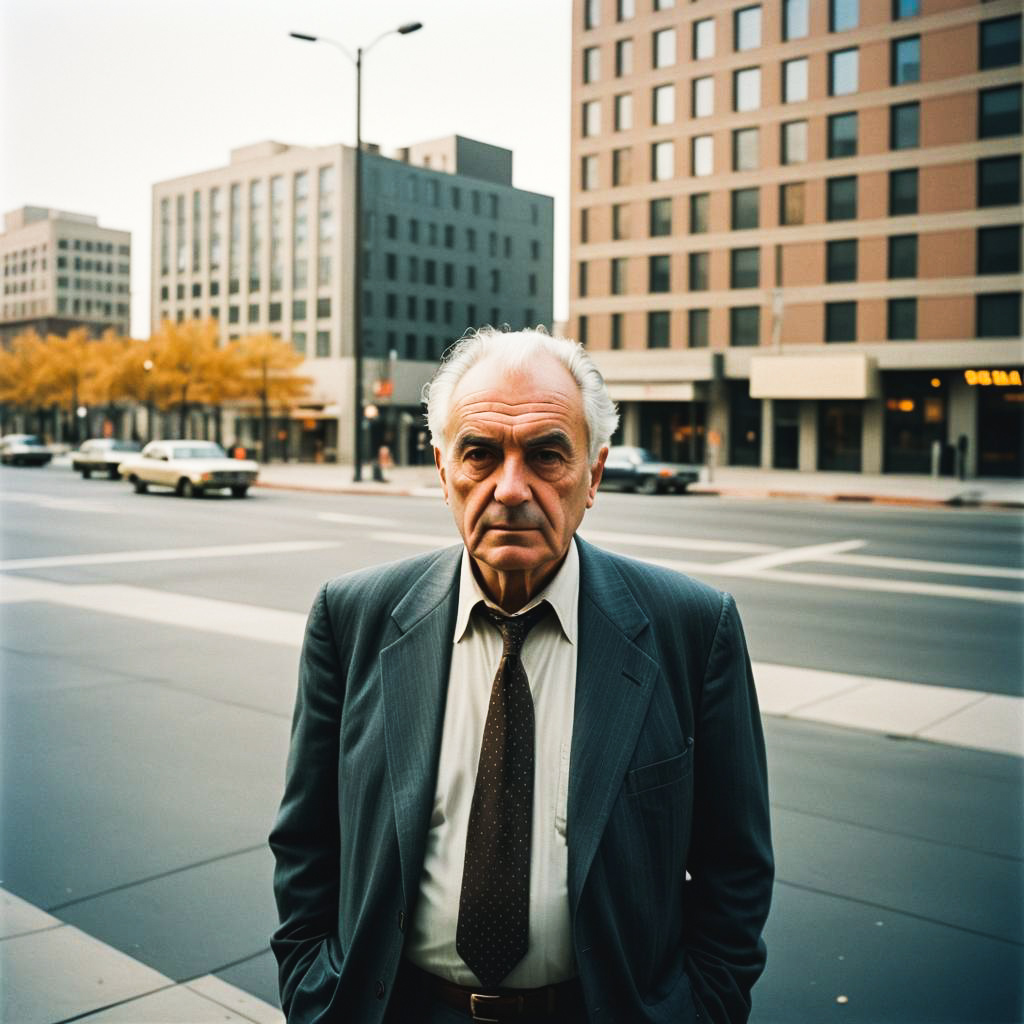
(147, 367)
(357, 263)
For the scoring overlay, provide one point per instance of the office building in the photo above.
(796, 228)
(62, 270)
(266, 244)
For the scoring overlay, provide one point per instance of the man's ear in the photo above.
(596, 472)
(439, 462)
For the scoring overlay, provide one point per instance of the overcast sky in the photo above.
(100, 99)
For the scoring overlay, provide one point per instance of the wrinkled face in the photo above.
(516, 471)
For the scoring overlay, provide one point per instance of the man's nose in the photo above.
(513, 486)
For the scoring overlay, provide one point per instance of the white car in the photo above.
(101, 455)
(189, 468)
(23, 450)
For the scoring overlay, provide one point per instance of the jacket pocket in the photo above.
(660, 773)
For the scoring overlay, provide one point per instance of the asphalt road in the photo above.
(148, 661)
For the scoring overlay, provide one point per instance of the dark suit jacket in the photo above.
(667, 778)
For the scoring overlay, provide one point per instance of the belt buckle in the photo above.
(479, 997)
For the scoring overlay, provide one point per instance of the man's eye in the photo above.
(548, 457)
(477, 454)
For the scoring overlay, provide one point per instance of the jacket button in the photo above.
(379, 989)
(401, 920)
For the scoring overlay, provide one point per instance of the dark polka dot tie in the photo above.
(494, 909)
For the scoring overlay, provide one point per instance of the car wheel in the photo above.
(113, 473)
(140, 485)
(239, 490)
(86, 473)
(649, 485)
(187, 489)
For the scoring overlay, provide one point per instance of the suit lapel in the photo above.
(614, 682)
(414, 684)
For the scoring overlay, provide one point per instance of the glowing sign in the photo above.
(993, 378)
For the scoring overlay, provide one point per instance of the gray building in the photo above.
(265, 244)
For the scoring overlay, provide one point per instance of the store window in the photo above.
(840, 432)
(744, 425)
(785, 433)
(914, 420)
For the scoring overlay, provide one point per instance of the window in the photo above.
(663, 104)
(658, 274)
(623, 112)
(582, 334)
(902, 192)
(999, 42)
(840, 321)
(700, 207)
(842, 72)
(697, 276)
(665, 48)
(660, 217)
(842, 15)
(703, 97)
(620, 221)
(622, 166)
(901, 320)
(998, 315)
(323, 343)
(744, 325)
(616, 332)
(842, 135)
(323, 308)
(274, 313)
(623, 58)
(591, 64)
(906, 60)
(664, 5)
(904, 125)
(794, 80)
(841, 260)
(745, 208)
(746, 89)
(657, 329)
(745, 268)
(747, 28)
(841, 198)
(902, 256)
(703, 38)
(791, 203)
(591, 13)
(662, 161)
(298, 309)
(618, 268)
(697, 328)
(999, 112)
(745, 149)
(591, 118)
(299, 341)
(905, 9)
(588, 172)
(625, 9)
(999, 250)
(794, 142)
(702, 156)
(795, 22)
(999, 181)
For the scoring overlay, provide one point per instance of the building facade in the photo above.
(63, 268)
(796, 229)
(266, 244)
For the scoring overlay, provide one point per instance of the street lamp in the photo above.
(147, 366)
(357, 263)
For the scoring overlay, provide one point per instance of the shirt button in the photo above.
(379, 989)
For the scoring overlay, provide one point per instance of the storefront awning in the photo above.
(849, 375)
(653, 391)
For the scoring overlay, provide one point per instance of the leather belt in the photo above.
(562, 1002)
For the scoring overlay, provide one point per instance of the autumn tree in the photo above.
(182, 354)
(268, 375)
(21, 386)
(68, 371)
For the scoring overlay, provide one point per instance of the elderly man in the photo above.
(527, 777)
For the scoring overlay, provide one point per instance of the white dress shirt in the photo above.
(549, 658)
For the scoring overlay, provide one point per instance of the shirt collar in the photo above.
(562, 593)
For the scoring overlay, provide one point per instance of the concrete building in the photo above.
(796, 228)
(62, 270)
(266, 244)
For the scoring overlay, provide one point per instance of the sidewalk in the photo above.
(728, 482)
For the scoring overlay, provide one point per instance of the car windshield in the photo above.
(629, 454)
(124, 446)
(29, 439)
(198, 451)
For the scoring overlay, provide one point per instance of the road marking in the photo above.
(786, 556)
(343, 517)
(676, 543)
(281, 547)
(57, 504)
(422, 540)
(924, 566)
(960, 717)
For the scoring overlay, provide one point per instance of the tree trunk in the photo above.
(183, 412)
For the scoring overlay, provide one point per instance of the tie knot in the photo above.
(514, 628)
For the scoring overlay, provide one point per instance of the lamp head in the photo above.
(412, 26)
(302, 35)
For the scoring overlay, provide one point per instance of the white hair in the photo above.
(513, 350)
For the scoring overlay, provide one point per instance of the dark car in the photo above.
(24, 450)
(102, 455)
(635, 469)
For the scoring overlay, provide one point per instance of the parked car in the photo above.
(101, 455)
(24, 450)
(189, 468)
(636, 469)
